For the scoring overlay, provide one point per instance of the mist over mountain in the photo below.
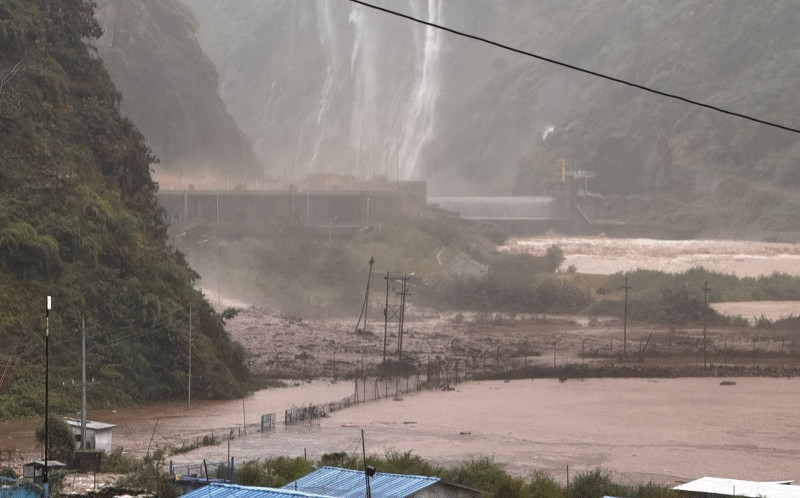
(310, 81)
(169, 86)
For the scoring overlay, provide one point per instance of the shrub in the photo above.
(542, 485)
(8, 472)
(60, 442)
(595, 484)
(487, 475)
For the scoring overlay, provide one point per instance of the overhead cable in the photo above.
(578, 68)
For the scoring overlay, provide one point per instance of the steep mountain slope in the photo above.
(169, 86)
(79, 221)
(316, 81)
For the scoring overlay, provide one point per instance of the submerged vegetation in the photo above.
(677, 299)
(79, 221)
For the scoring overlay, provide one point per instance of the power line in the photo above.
(140, 335)
(155, 321)
(578, 68)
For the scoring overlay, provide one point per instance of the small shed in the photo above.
(98, 434)
(716, 487)
(346, 483)
(34, 471)
(236, 491)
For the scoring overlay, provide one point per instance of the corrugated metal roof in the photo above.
(731, 487)
(236, 491)
(345, 483)
(96, 426)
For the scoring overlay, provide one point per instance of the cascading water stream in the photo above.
(418, 128)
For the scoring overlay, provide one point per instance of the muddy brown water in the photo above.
(605, 256)
(666, 430)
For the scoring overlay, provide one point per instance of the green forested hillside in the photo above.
(79, 221)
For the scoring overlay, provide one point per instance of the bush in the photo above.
(118, 463)
(8, 472)
(543, 486)
(487, 475)
(149, 475)
(272, 472)
(595, 484)
(61, 442)
(26, 253)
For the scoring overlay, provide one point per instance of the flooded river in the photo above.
(661, 430)
(600, 255)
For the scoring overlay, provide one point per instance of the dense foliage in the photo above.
(479, 473)
(79, 221)
(60, 441)
(513, 282)
(677, 299)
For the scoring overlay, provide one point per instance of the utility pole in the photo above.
(244, 418)
(190, 359)
(386, 317)
(555, 346)
(403, 295)
(83, 384)
(390, 314)
(706, 289)
(625, 320)
(525, 355)
(45, 482)
(366, 470)
(365, 307)
(244, 167)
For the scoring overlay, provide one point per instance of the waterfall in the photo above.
(418, 127)
(327, 38)
(364, 75)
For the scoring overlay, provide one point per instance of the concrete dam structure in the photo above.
(497, 208)
(255, 211)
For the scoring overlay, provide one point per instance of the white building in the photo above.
(715, 486)
(98, 434)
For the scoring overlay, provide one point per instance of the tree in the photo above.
(61, 442)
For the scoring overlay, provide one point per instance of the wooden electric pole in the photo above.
(403, 295)
(190, 359)
(706, 289)
(365, 306)
(386, 317)
(625, 320)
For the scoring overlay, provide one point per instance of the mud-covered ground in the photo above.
(658, 428)
(284, 346)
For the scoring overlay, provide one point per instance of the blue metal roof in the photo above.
(236, 491)
(344, 483)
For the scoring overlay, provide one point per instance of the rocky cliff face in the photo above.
(168, 85)
(332, 86)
